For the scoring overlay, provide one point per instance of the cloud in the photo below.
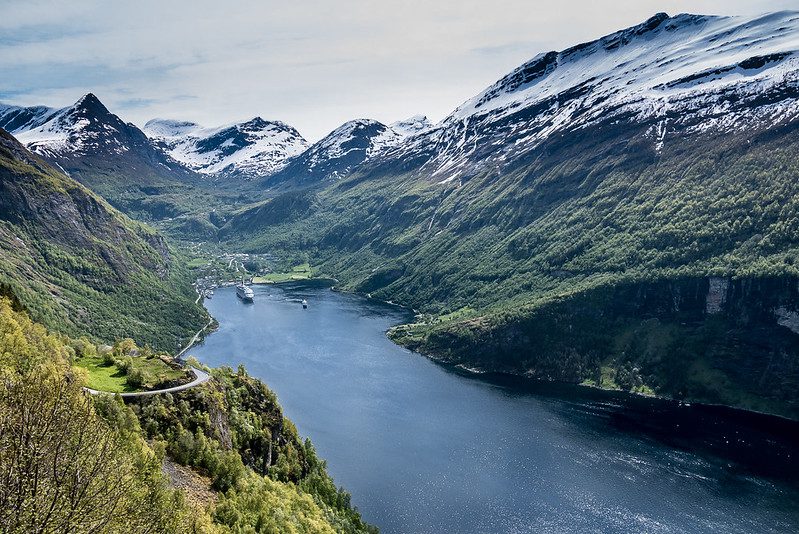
(313, 64)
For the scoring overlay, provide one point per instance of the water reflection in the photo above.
(427, 448)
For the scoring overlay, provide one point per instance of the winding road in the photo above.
(200, 376)
(179, 355)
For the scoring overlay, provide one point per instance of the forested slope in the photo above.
(79, 266)
(71, 462)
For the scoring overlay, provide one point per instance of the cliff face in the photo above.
(718, 340)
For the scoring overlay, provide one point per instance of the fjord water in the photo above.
(423, 448)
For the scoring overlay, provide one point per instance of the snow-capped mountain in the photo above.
(680, 75)
(251, 149)
(671, 76)
(346, 148)
(16, 118)
(85, 128)
(97, 148)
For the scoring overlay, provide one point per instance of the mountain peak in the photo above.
(257, 121)
(411, 125)
(89, 97)
(90, 102)
(252, 148)
(652, 22)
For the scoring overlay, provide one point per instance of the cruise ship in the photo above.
(244, 292)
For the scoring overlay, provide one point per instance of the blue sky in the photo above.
(311, 63)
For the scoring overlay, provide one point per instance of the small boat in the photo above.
(304, 304)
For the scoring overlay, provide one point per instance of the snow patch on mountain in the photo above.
(411, 126)
(254, 148)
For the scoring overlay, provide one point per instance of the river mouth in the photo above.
(426, 448)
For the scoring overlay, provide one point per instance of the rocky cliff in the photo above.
(716, 340)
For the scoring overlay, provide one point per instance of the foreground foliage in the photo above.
(232, 429)
(70, 462)
(63, 468)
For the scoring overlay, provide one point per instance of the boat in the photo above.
(304, 303)
(244, 293)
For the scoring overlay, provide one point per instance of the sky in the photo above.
(313, 64)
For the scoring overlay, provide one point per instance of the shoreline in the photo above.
(476, 372)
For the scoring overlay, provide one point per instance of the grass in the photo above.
(303, 271)
(643, 389)
(105, 377)
(607, 379)
(459, 314)
(196, 263)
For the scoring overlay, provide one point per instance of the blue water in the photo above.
(423, 448)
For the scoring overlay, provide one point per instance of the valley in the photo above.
(607, 168)
(620, 215)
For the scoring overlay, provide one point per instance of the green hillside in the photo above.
(98, 462)
(80, 267)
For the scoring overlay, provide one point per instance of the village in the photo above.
(230, 269)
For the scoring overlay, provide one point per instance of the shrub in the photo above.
(135, 378)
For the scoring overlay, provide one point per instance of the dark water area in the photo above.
(426, 448)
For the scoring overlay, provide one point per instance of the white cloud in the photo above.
(313, 64)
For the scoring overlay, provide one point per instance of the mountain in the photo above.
(344, 150)
(682, 75)
(621, 213)
(250, 150)
(20, 119)
(79, 266)
(276, 153)
(84, 129)
(411, 126)
(111, 157)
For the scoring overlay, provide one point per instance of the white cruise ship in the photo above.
(244, 292)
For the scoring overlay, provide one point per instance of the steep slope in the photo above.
(111, 157)
(629, 178)
(80, 266)
(88, 447)
(247, 150)
(343, 151)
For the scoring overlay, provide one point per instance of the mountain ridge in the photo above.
(251, 148)
(613, 79)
